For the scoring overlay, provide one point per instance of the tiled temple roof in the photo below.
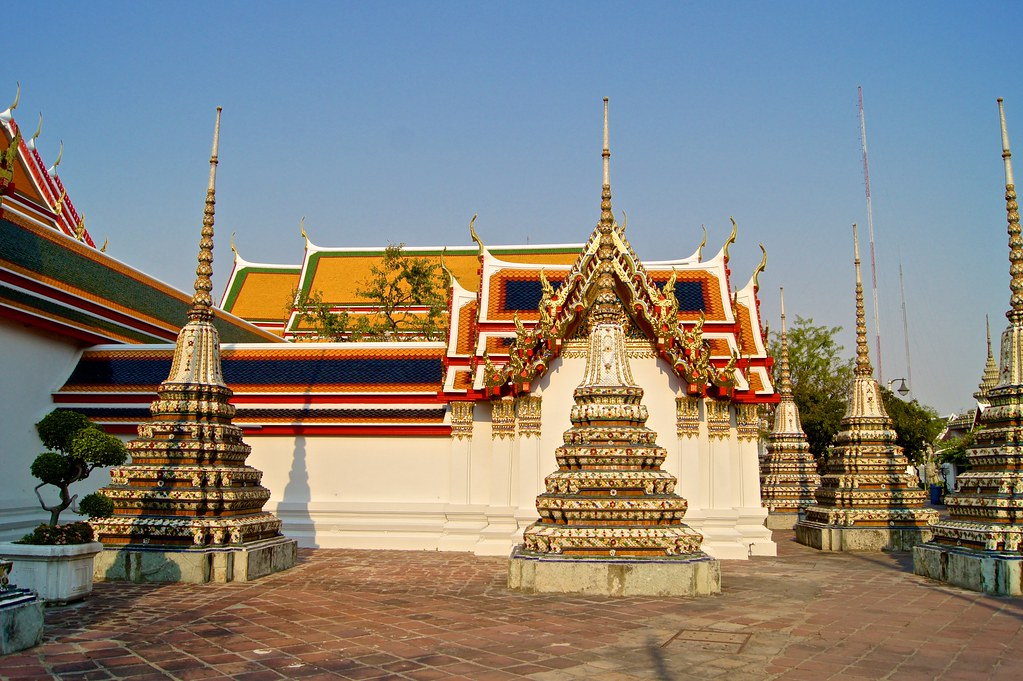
(260, 292)
(287, 387)
(52, 276)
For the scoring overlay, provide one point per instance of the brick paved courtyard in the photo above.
(428, 615)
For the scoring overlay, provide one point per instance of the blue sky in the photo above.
(395, 122)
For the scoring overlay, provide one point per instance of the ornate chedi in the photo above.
(866, 501)
(610, 521)
(788, 473)
(989, 379)
(187, 508)
(980, 546)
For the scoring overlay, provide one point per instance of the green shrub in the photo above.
(77, 448)
(96, 505)
(49, 535)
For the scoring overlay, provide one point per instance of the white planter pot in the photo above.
(57, 573)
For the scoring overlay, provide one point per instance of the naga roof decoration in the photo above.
(652, 310)
(28, 187)
(53, 278)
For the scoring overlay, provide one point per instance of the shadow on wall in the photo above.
(294, 507)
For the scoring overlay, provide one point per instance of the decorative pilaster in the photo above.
(528, 414)
(719, 418)
(502, 418)
(461, 419)
(687, 416)
(747, 422)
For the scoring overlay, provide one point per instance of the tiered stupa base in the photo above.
(694, 574)
(864, 529)
(850, 538)
(994, 572)
(196, 565)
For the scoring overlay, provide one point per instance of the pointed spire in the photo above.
(606, 217)
(863, 367)
(201, 301)
(786, 376)
(1015, 242)
(989, 379)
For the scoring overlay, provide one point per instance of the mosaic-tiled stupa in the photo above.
(788, 472)
(980, 546)
(866, 501)
(989, 379)
(610, 520)
(187, 508)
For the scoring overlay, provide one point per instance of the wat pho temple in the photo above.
(587, 413)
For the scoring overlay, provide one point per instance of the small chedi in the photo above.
(187, 508)
(866, 501)
(788, 472)
(610, 521)
(979, 546)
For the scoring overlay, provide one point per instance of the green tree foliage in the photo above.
(399, 284)
(327, 324)
(820, 379)
(409, 294)
(957, 451)
(79, 448)
(916, 425)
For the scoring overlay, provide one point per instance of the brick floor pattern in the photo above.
(348, 614)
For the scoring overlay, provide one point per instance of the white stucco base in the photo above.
(698, 575)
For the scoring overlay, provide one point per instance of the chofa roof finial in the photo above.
(8, 114)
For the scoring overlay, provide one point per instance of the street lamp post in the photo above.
(903, 389)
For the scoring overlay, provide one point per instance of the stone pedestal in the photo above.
(689, 575)
(838, 538)
(21, 621)
(994, 572)
(197, 566)
(58, 573)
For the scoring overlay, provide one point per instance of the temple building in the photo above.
(446, 444)
(978, 547)
(788, 471)
(866, 501)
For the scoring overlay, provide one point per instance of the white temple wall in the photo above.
(32, 365)
(357, 492)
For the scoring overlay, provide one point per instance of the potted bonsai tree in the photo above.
(54, 559)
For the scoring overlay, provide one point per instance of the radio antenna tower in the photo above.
(870, 227)
(905, 327)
